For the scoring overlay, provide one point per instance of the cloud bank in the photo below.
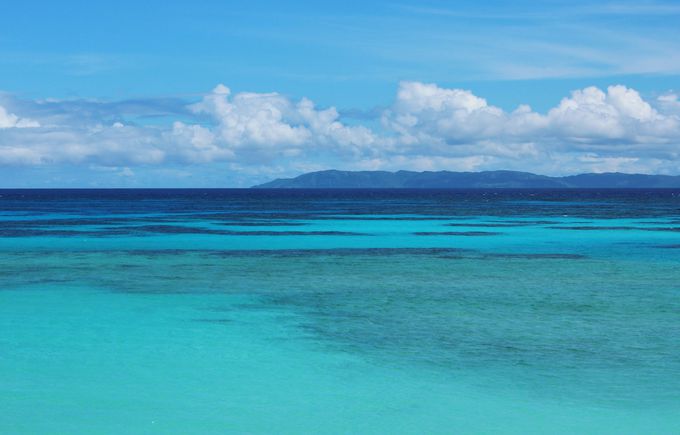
(426, 127)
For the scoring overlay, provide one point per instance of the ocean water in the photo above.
(346, 311)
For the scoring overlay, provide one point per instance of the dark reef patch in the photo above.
(617, 228)
(452, 256)
(294, 233)
(490, 225)
(74, 222)
(142, 230)
(262, 224)
(38, 232)
(349, 252)
(384, 218)
(457, 233)
(592, 228)
(171, 229)
(27, 232)
(217, 321)
(531, 222)
(547, 256)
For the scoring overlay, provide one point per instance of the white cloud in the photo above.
(10, 120)
(455, 121)
(251, 119)
(593, 116)
(74, 144)
(670, 103)
(272, 121)
(426, 113)
(427, 127)
(196, 143)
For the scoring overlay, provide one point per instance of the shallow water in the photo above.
(213, 311)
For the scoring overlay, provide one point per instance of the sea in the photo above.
(216, 311)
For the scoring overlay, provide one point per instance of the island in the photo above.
(334, 179)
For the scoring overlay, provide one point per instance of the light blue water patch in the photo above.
(82, 360)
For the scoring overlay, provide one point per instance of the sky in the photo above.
(235, 93)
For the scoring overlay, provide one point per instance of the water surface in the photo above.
(357, 311)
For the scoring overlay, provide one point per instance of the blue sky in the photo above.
(134, 94)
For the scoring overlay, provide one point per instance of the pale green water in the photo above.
(543, 327)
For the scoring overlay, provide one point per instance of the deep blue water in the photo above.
(338, 311)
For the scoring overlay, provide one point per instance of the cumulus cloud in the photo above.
(426, 112)
(427, 127)
(252, 119)
(617, 122)
(595, 117)
(272, 121)
(196, 144)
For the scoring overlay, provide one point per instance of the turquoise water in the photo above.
(339, 312)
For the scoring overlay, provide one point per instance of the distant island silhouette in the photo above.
(334, 179)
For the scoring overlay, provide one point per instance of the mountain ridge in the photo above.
(501, 179)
